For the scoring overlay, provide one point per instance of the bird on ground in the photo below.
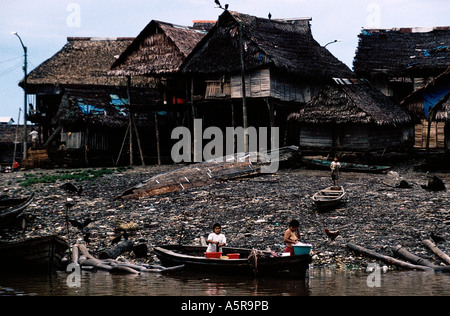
(436, 238)
(270, 16)
(331, 234)
(86, 238)
(71, 188)
(119, 238)
(79, 225)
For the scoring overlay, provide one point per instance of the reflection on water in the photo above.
(322, 282)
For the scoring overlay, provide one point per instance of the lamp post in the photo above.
(332, 42)
(25, 66)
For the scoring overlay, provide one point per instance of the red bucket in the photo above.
(213, 255)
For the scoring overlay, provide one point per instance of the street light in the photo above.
(25, 96)
(332, 42)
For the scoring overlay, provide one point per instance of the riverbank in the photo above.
(254, 212)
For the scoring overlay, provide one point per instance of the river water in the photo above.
(322, 282)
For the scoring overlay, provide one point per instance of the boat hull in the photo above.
(191, 258)
(345, 166)
(36, 255)
(329, 197)
(10, 209)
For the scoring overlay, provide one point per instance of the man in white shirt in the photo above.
(216, 240)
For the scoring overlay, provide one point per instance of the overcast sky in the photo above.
(44, 25)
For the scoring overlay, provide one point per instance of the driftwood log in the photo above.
(400, 251)
(403, 253)
(386, 259)
(113, 253)
(86, 260)
(437, 251)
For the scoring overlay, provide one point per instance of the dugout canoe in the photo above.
(345, 166)
(329, 197)
(250, 262)
(34, 255)
(10, 208)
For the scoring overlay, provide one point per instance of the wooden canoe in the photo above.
(193, 259)
(10, 208)
(345, 166)
(35, 255)
(329, 197)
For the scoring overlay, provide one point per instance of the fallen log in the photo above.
(113, 253)
(386, 259)
(405, 254)
(400, 251)
(437, 251)
(86, 260)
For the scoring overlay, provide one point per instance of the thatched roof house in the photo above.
(399, 60)
(74, 95)
(403, 52)
(352, 102)
(284, 67)
(159, 49)
(287, 45)
(352, 115)
(82, 61)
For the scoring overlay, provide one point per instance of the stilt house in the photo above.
(157, 52)
(61, 90)
(283, 67)
(399, 61)
(351, 116)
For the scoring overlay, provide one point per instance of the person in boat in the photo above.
(291, 236)
(335, 165)
(216, 240)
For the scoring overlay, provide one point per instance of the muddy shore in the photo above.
(254, 212)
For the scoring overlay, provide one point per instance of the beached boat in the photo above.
(236, 166)
(40, 254)
(345, 166)
(329, 197)
(10, 208)
(250, 262)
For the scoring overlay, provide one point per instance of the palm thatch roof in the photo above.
(159, 49)
(351, 102)
(83, 61)
(284, 44)
(399, 52)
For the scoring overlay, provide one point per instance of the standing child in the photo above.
(335, 165)
(216, 240)
(291, 236)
